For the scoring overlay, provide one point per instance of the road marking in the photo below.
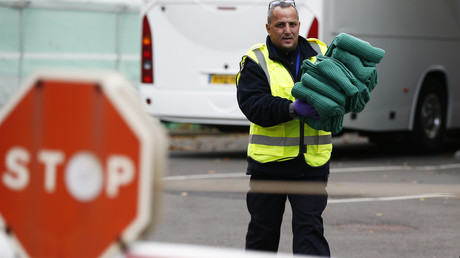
(386, 199)
(370, 169)
(440, 167)
(394, 168)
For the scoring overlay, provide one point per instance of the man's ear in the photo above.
(267, 27)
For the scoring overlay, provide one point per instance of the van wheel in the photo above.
(430, 118)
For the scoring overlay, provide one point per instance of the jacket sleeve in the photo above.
(255, 99)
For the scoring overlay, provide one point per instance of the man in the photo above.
(276, 150)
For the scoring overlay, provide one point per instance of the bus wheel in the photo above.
(430, 118)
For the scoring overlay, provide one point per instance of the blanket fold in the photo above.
(357, 47)
(330, 112)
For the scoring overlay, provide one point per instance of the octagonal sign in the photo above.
(77, 165)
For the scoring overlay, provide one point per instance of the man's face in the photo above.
(284, 28)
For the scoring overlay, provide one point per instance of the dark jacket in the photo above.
(262, 108)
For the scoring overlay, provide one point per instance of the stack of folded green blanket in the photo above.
(339, 82)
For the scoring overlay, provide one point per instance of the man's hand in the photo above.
(304, 109)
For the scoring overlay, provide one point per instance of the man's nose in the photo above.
(287, 29)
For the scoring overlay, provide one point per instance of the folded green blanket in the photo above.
(311, 69)
(338, 73)
(357, 47)
(326, 85)
(322, 88)
(364, 71)
(354, 64)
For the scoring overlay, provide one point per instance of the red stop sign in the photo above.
(76, 166)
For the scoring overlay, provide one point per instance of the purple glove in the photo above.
(304, 109)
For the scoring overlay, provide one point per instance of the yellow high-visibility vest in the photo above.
(283, 142)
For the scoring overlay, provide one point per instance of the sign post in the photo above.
(79, 161)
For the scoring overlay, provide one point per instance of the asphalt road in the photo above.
(382, 203)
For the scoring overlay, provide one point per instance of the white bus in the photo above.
(191, 51)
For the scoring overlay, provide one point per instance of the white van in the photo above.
(192, 49)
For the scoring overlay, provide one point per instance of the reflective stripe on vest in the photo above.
(262, 63)
(316, 47)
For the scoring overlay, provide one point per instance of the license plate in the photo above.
(222, 79)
